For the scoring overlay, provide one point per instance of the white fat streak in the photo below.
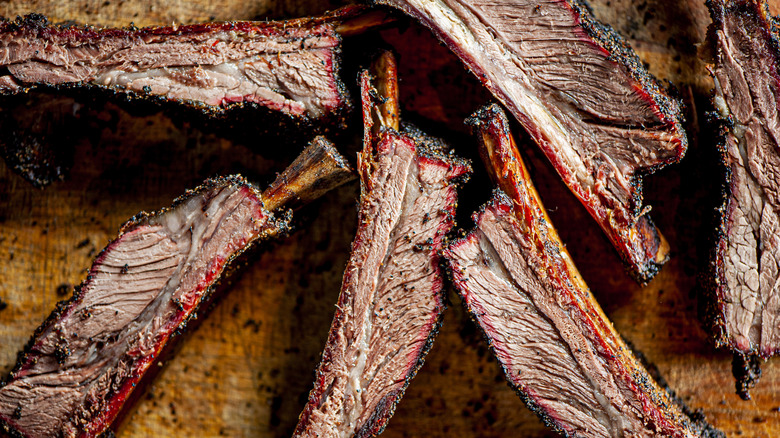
(528, 103)
(719, 102)
(721, 105)
(724, 111)
(185, 221)
(616, 426)
(355, 379)
(233, 76)
(125, 78)
(355, 383)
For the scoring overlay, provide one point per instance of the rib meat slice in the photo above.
(555, 344)
(83, 363)
(746, 303)
(391, 297)
(582, 95)
(287, 66)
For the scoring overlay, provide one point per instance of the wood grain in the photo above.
(246, 370)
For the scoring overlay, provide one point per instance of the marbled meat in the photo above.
(745, 302)
(553, 341)
(286, 66)
(391, 298)
(83, 363)
(584, 97)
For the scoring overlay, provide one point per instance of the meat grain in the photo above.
(85, 361)
(287, 66)
(584, 97)
(553, 341)
(746, 268)
(391, 298)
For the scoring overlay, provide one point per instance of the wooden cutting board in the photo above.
(247, 369)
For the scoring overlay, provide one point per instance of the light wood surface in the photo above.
(246, 370)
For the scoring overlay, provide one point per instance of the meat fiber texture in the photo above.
(553, 341)
(286, 66)
(583, 96)
(391, 298)
(84, 362)
(746, 268)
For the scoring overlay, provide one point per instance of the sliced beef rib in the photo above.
(391, 297)
(582, 95)
(556, 346)
(287, 66)
(746, 270)
(83, 363)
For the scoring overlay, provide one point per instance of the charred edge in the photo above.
(107, 434)
(37, 23)
(642, 274)
(369, 97)
(436, 148)
(526, 399)
(483, 116)
(745, 366)
(336, 117)
(747, 370)
(211, 183)
(315, 397)
(33, 21)
(208, 298)
(58, 309)
(670, 108)
(375, 129)
(621, 53)
(385, 409)
(697, 419)
(6, 429)
(756, 9)
(427, 146)
(635, 374)
(282, 224)
(475, 319)
(530, 403)
(713, 277)
(378, 421)
(491, 120)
